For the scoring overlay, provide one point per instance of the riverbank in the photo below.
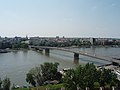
(92, 46)
(16, 64)
(3, 51)
(96, 46)
(12, 50)
(70, 47)
(46, 87)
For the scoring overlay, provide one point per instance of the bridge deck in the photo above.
(85, 54)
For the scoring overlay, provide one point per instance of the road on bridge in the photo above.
(80, 53)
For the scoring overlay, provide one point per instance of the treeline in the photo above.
(67, 43)
(82, 77)
(13, 45)
(43, 74)
(20, 45)
(75, 42)
(89, 77)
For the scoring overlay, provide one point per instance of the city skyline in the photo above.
(69, 18)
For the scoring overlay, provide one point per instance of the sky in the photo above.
(69, 18)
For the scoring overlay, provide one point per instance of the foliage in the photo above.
(49, 71)
(64, 43)
(6, 84)
(20, 45)
(30, 79)
(96, 85)
(50, 87)
(0, 84)
(70, 80)
(89, 76)
(34, 76)
(42, 73)
(22, 89)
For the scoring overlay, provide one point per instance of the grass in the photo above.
(22, 89)
(51, 87)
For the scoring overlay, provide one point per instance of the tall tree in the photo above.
(0, 84)
(30, 79)
(6, 84)
(42, 73)
(34, 76)
(70, 80)
(89, 76)
(49, 70)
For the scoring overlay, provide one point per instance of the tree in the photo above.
(96, 86)
(24, 45)
(6, 84)
(37, 72)
(49, 70)
(70, 80)
(34, 76)
(108, 78)
(42, 73)
(30, 79)
(0, 84)
(89, 76)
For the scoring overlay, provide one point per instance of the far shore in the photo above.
(15, 50)
(85, 46)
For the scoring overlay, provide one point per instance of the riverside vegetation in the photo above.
(47, 76)
(81, 77)
(5, 84)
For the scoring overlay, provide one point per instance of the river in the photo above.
(15, 65)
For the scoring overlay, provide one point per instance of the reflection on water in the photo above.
(47, 54)
(16, 64)
(76, 61)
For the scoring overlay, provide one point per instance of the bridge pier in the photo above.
(76, 56)
(47, 50)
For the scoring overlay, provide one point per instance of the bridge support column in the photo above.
(47, 51)
(76, 56)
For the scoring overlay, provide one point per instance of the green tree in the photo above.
(96, 86)
(49, 70)
(42, 73)
(0, 84)
(108, 78)
(37, 72)
(70, 80)
(89, 73)
(34, 76)
(15, 46)
(30, 79)
(89, 76)
(6, 84)
(23, 45)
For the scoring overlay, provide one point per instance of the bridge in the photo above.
(76, 54)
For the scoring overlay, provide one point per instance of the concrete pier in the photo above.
(47, 50)
(76, 56)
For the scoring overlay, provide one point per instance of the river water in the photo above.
(15, 65)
